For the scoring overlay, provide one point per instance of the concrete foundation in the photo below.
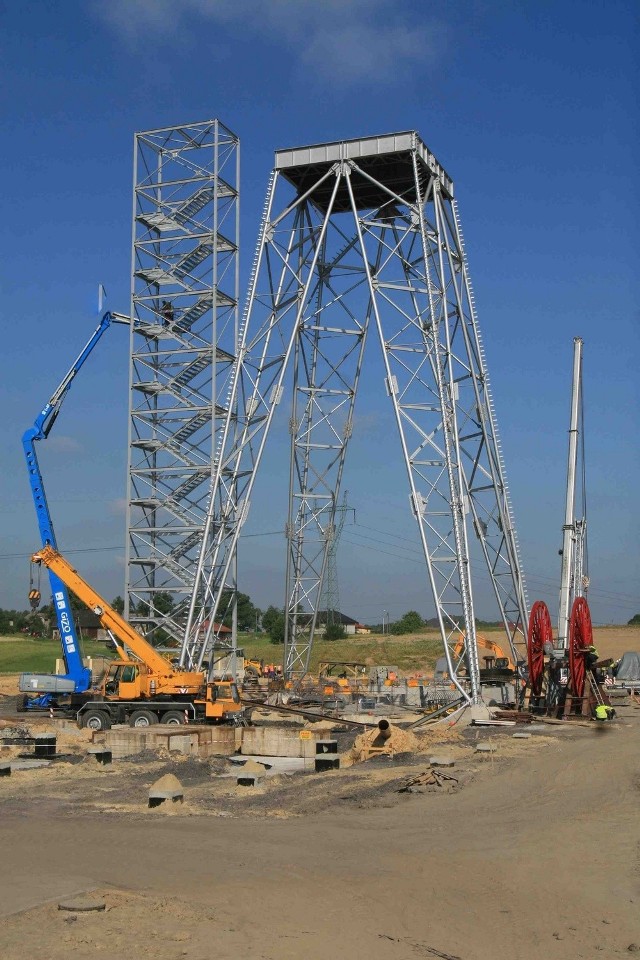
(279, 742)
(195, 741)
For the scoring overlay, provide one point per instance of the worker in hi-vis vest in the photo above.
(604, 712)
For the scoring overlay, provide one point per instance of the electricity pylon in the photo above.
(330, 602)
(358, 237)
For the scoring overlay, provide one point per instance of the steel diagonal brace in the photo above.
(413, 490)
(219, 572)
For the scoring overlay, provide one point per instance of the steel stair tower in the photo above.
(362, 238)
(184, 301)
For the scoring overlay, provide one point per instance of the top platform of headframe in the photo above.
(387, 160)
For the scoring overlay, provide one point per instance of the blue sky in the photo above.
(530, 107)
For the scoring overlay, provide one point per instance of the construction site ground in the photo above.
(533, 853)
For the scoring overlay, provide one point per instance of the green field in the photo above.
(415, 652)
(409, 653)
(39, 656)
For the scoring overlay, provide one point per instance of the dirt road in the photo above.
(537, 857)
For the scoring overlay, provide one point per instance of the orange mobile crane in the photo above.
(144, 688)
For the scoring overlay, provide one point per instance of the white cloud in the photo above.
(349, 41)
(118, 507)
(59, 443)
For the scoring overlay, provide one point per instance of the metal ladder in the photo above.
(595, 690)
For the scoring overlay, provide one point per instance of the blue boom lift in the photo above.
(46, 688)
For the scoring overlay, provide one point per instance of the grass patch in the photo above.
(39, 656)
(414, 652)
(411, 652)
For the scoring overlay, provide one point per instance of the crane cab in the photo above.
(222, 699)
(123, 681)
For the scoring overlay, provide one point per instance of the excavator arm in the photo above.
(493, 649)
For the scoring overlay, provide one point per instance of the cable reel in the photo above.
(580, 639)
(539, 633)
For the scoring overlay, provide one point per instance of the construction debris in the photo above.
(517, 716)
(429, 781)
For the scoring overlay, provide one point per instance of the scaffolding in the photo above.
(363, 237)
(184, 301)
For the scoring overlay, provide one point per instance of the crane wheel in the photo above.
(173, 717)
(142, 718)
(96, 720)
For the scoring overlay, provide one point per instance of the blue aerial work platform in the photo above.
(77, 678)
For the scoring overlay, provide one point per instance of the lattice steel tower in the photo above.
(360, 236)
(330, 597)
(184, 298)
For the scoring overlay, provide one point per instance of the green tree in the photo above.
(334, 631)
(12, 621)
(273, 623)
(411, 622)
(162, 601)
(248, 613)
(270, 615)
(118, 605)
(635, 621)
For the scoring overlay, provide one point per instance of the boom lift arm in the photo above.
(79, 675)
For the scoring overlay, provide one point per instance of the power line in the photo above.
(27, 556)
(540, 578)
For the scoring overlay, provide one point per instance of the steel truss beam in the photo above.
(185, 285)
(371, 239)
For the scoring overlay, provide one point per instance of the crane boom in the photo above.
(76, 672)
(159, 666)
(569, 526)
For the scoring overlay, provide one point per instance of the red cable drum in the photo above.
(580, 638)
(539, 633)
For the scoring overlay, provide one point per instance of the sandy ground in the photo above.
(534, 854)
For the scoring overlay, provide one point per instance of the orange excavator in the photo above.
(495, 658)
(142, 687)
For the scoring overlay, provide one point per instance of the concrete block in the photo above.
(29, 764)
(166, 788)
(251, 774)
(327, 762)
(100, 752)
(443, 760)
(44, 747)
(124, 742)
(326, 746)
(478, 712)
(521, 736)
(82, 905)
(485, 748)
(181, 743)
(278, 742)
